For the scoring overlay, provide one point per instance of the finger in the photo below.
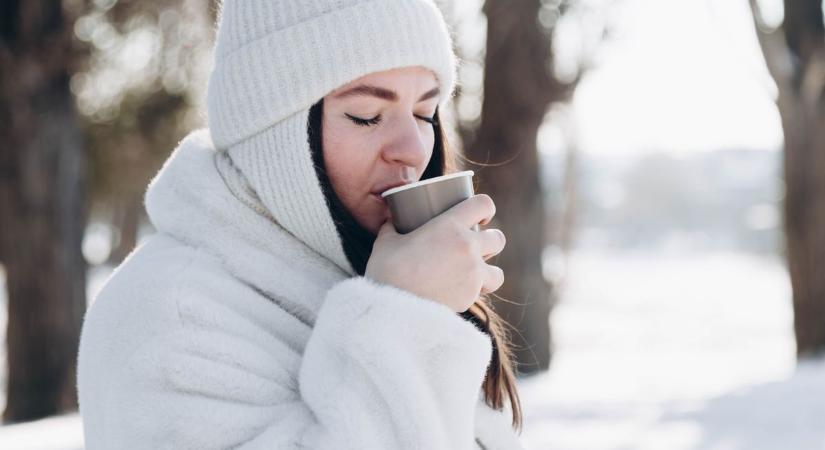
(386, 228)
(486, 221)
(491, 241)
(472, 211)
(494, 278)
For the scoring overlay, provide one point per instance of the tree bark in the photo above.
(41, 209)
(127, 216)
(519, 86)
(795, 55)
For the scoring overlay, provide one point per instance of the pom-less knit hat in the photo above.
(275, 58)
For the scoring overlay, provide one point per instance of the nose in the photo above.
(407, 145)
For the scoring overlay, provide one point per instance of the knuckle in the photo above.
(462, 242)
(465, 247)
(478, 273)
(487, 201)
(494, 279)
(501, 236)
(498, 274)
(457, 247)
(452, 234)
(446, 230)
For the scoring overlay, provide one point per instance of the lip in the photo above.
(379, 199)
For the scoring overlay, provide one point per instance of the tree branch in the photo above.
(774, 51)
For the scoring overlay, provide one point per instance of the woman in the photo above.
(277, 307)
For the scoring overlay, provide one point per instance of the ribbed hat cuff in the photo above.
(278, 165)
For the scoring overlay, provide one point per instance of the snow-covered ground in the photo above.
(675, 352)
(652, 352)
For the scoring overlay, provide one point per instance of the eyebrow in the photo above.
(384, 94)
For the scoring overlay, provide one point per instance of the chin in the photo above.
(374, 225)
(371, 215)
(373, 222)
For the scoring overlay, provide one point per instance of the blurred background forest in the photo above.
(658, 166)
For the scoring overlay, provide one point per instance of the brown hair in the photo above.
(499, 383)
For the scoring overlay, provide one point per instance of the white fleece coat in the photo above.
(223, 330)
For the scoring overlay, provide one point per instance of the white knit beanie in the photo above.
(275, 58)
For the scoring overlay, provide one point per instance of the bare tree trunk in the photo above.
(519, 86)
(795, 54)
(41, 208)
(127, 216)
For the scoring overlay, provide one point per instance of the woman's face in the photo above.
(373, 128)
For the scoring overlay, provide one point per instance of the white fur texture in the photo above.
(224, 330)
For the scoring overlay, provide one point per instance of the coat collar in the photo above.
(202, 199)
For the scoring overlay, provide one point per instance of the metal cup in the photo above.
(412, 205)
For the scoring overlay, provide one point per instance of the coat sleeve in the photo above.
(386, 369)
(382, 369)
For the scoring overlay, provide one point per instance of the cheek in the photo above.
(349, 166)
(345, 163)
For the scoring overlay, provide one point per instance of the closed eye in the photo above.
(364, 122)
(377, 119)
(431, 120)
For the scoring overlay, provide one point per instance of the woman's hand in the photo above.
(444, 259)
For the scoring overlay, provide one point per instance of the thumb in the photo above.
(386, 228)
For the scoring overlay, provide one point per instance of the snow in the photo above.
(675, 352)
(652, 351)
(54, 433)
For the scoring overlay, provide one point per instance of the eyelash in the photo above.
(375, 120)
